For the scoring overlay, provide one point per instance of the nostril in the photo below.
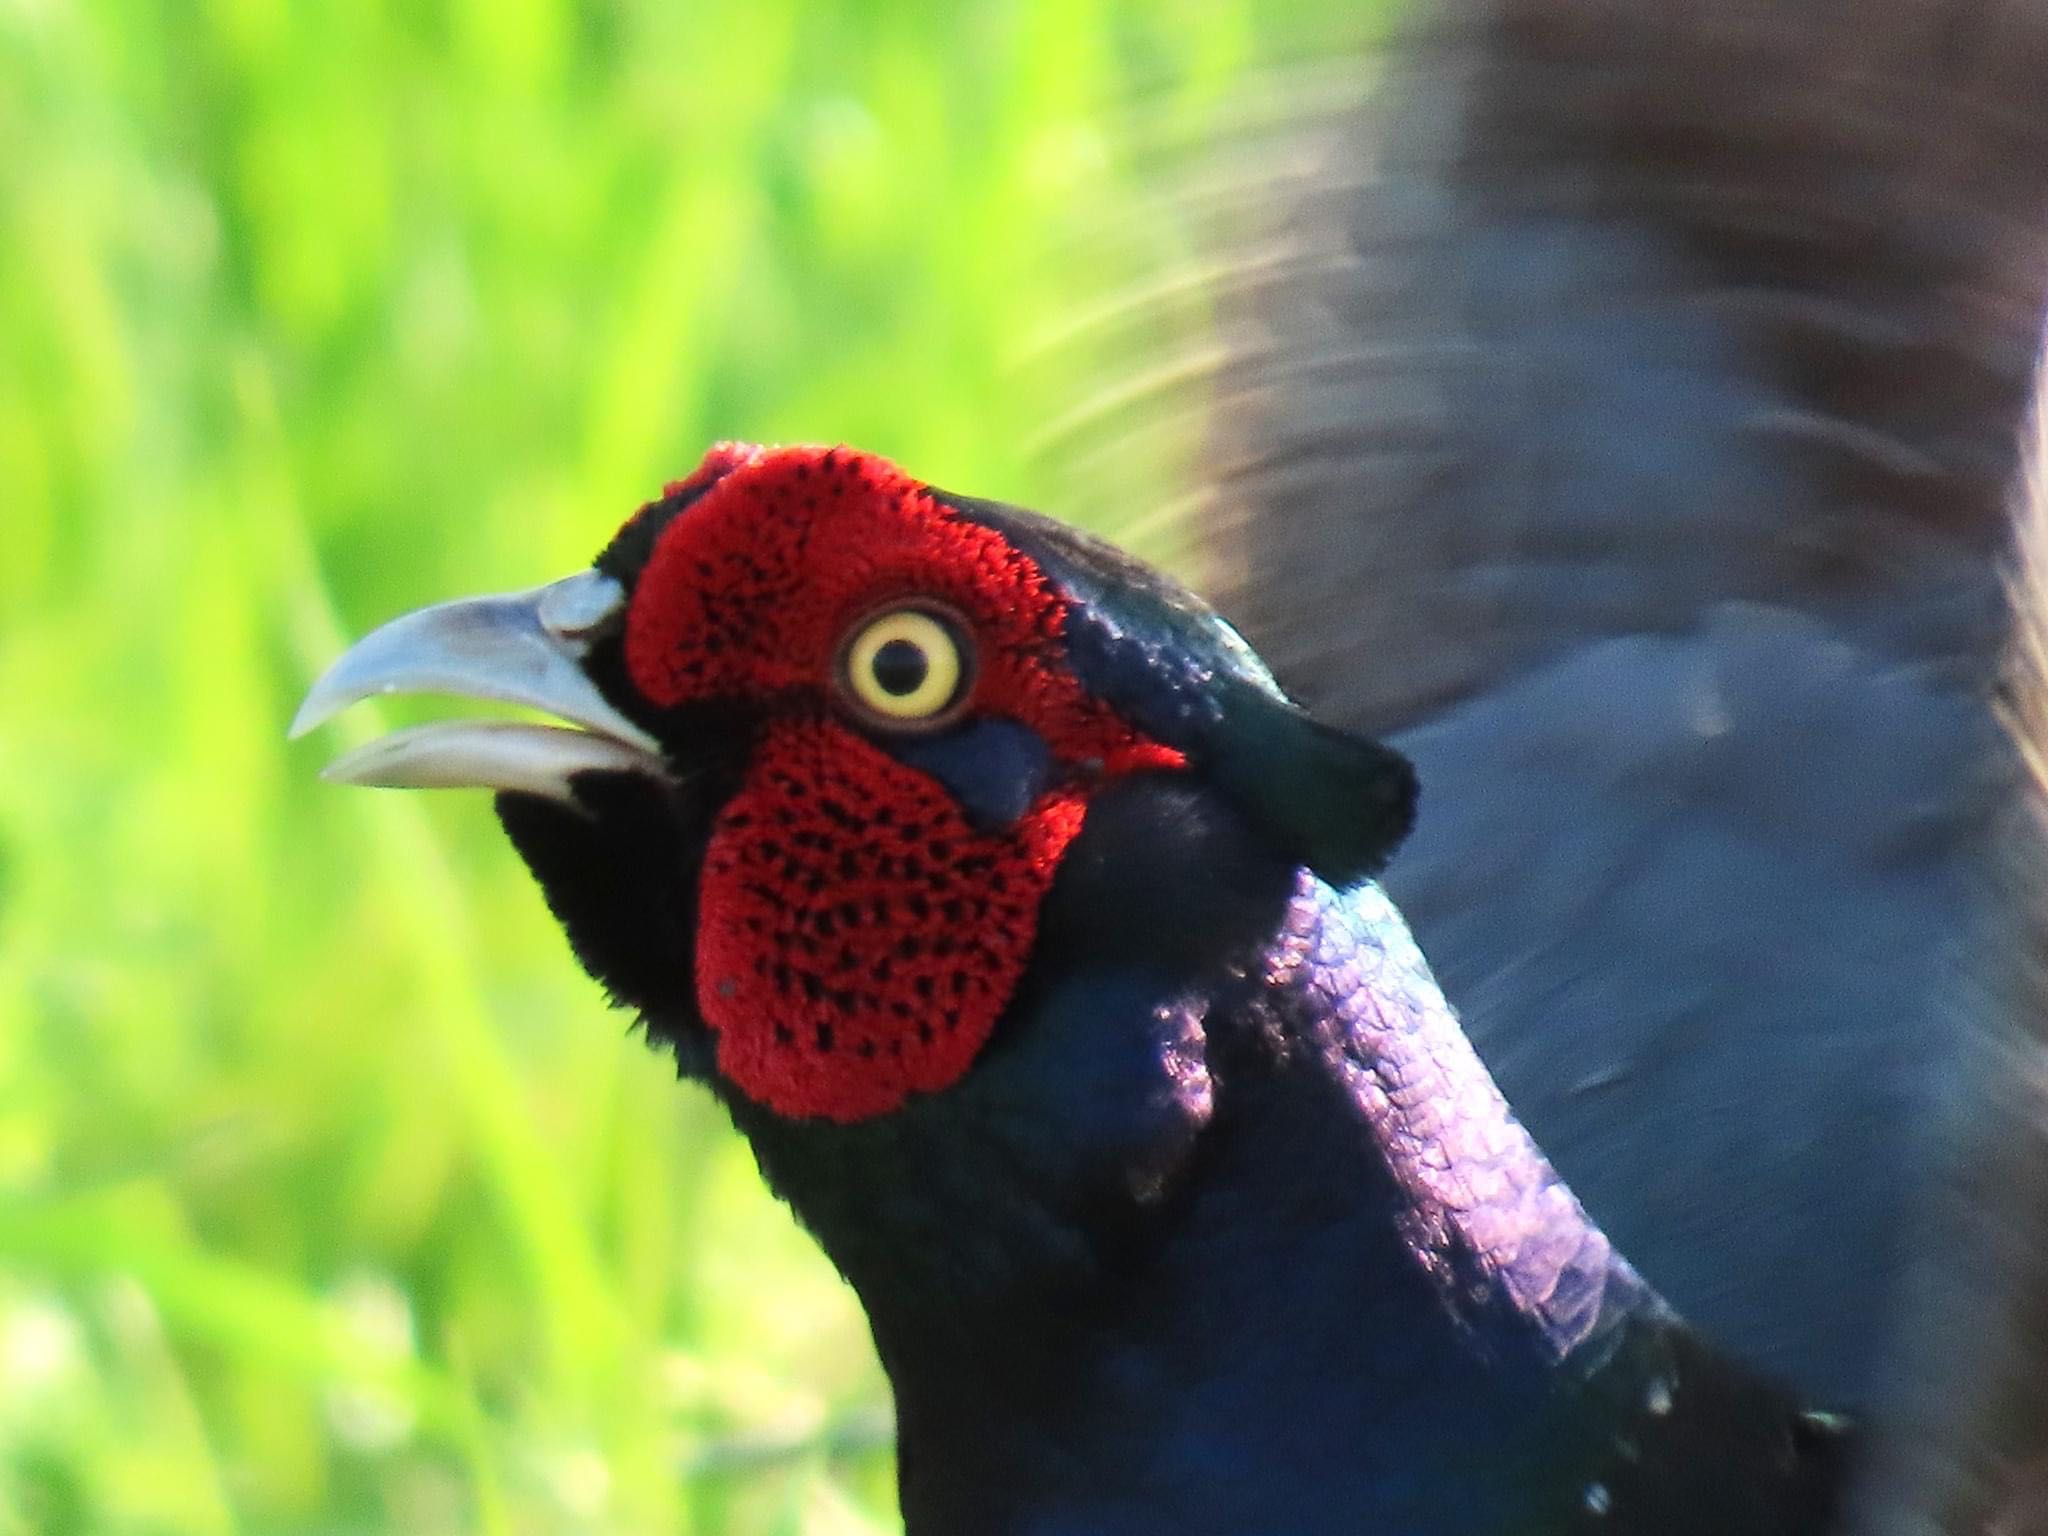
(578, 608)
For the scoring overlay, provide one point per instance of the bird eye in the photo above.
(905, 667)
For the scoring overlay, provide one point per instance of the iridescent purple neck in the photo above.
(1483, 1212)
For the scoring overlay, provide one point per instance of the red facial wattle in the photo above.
(858, 937)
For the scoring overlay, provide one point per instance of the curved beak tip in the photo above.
(519, 649)
(314, 711)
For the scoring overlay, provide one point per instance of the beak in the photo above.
(524, 648)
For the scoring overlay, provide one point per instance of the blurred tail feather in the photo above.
(1615, 404)
(1965, 1443)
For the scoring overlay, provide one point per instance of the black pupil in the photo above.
(900, 668)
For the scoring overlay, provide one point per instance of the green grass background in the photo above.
(331, 1199)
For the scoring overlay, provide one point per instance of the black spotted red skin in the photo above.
(858, 937)
(719, 460)
(750, 592)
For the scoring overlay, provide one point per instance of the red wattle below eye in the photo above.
(857, 938)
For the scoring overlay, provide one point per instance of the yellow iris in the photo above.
(904, 666)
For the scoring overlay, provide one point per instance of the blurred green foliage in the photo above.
(331, 1199)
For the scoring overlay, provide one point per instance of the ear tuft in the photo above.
(1340, 803)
